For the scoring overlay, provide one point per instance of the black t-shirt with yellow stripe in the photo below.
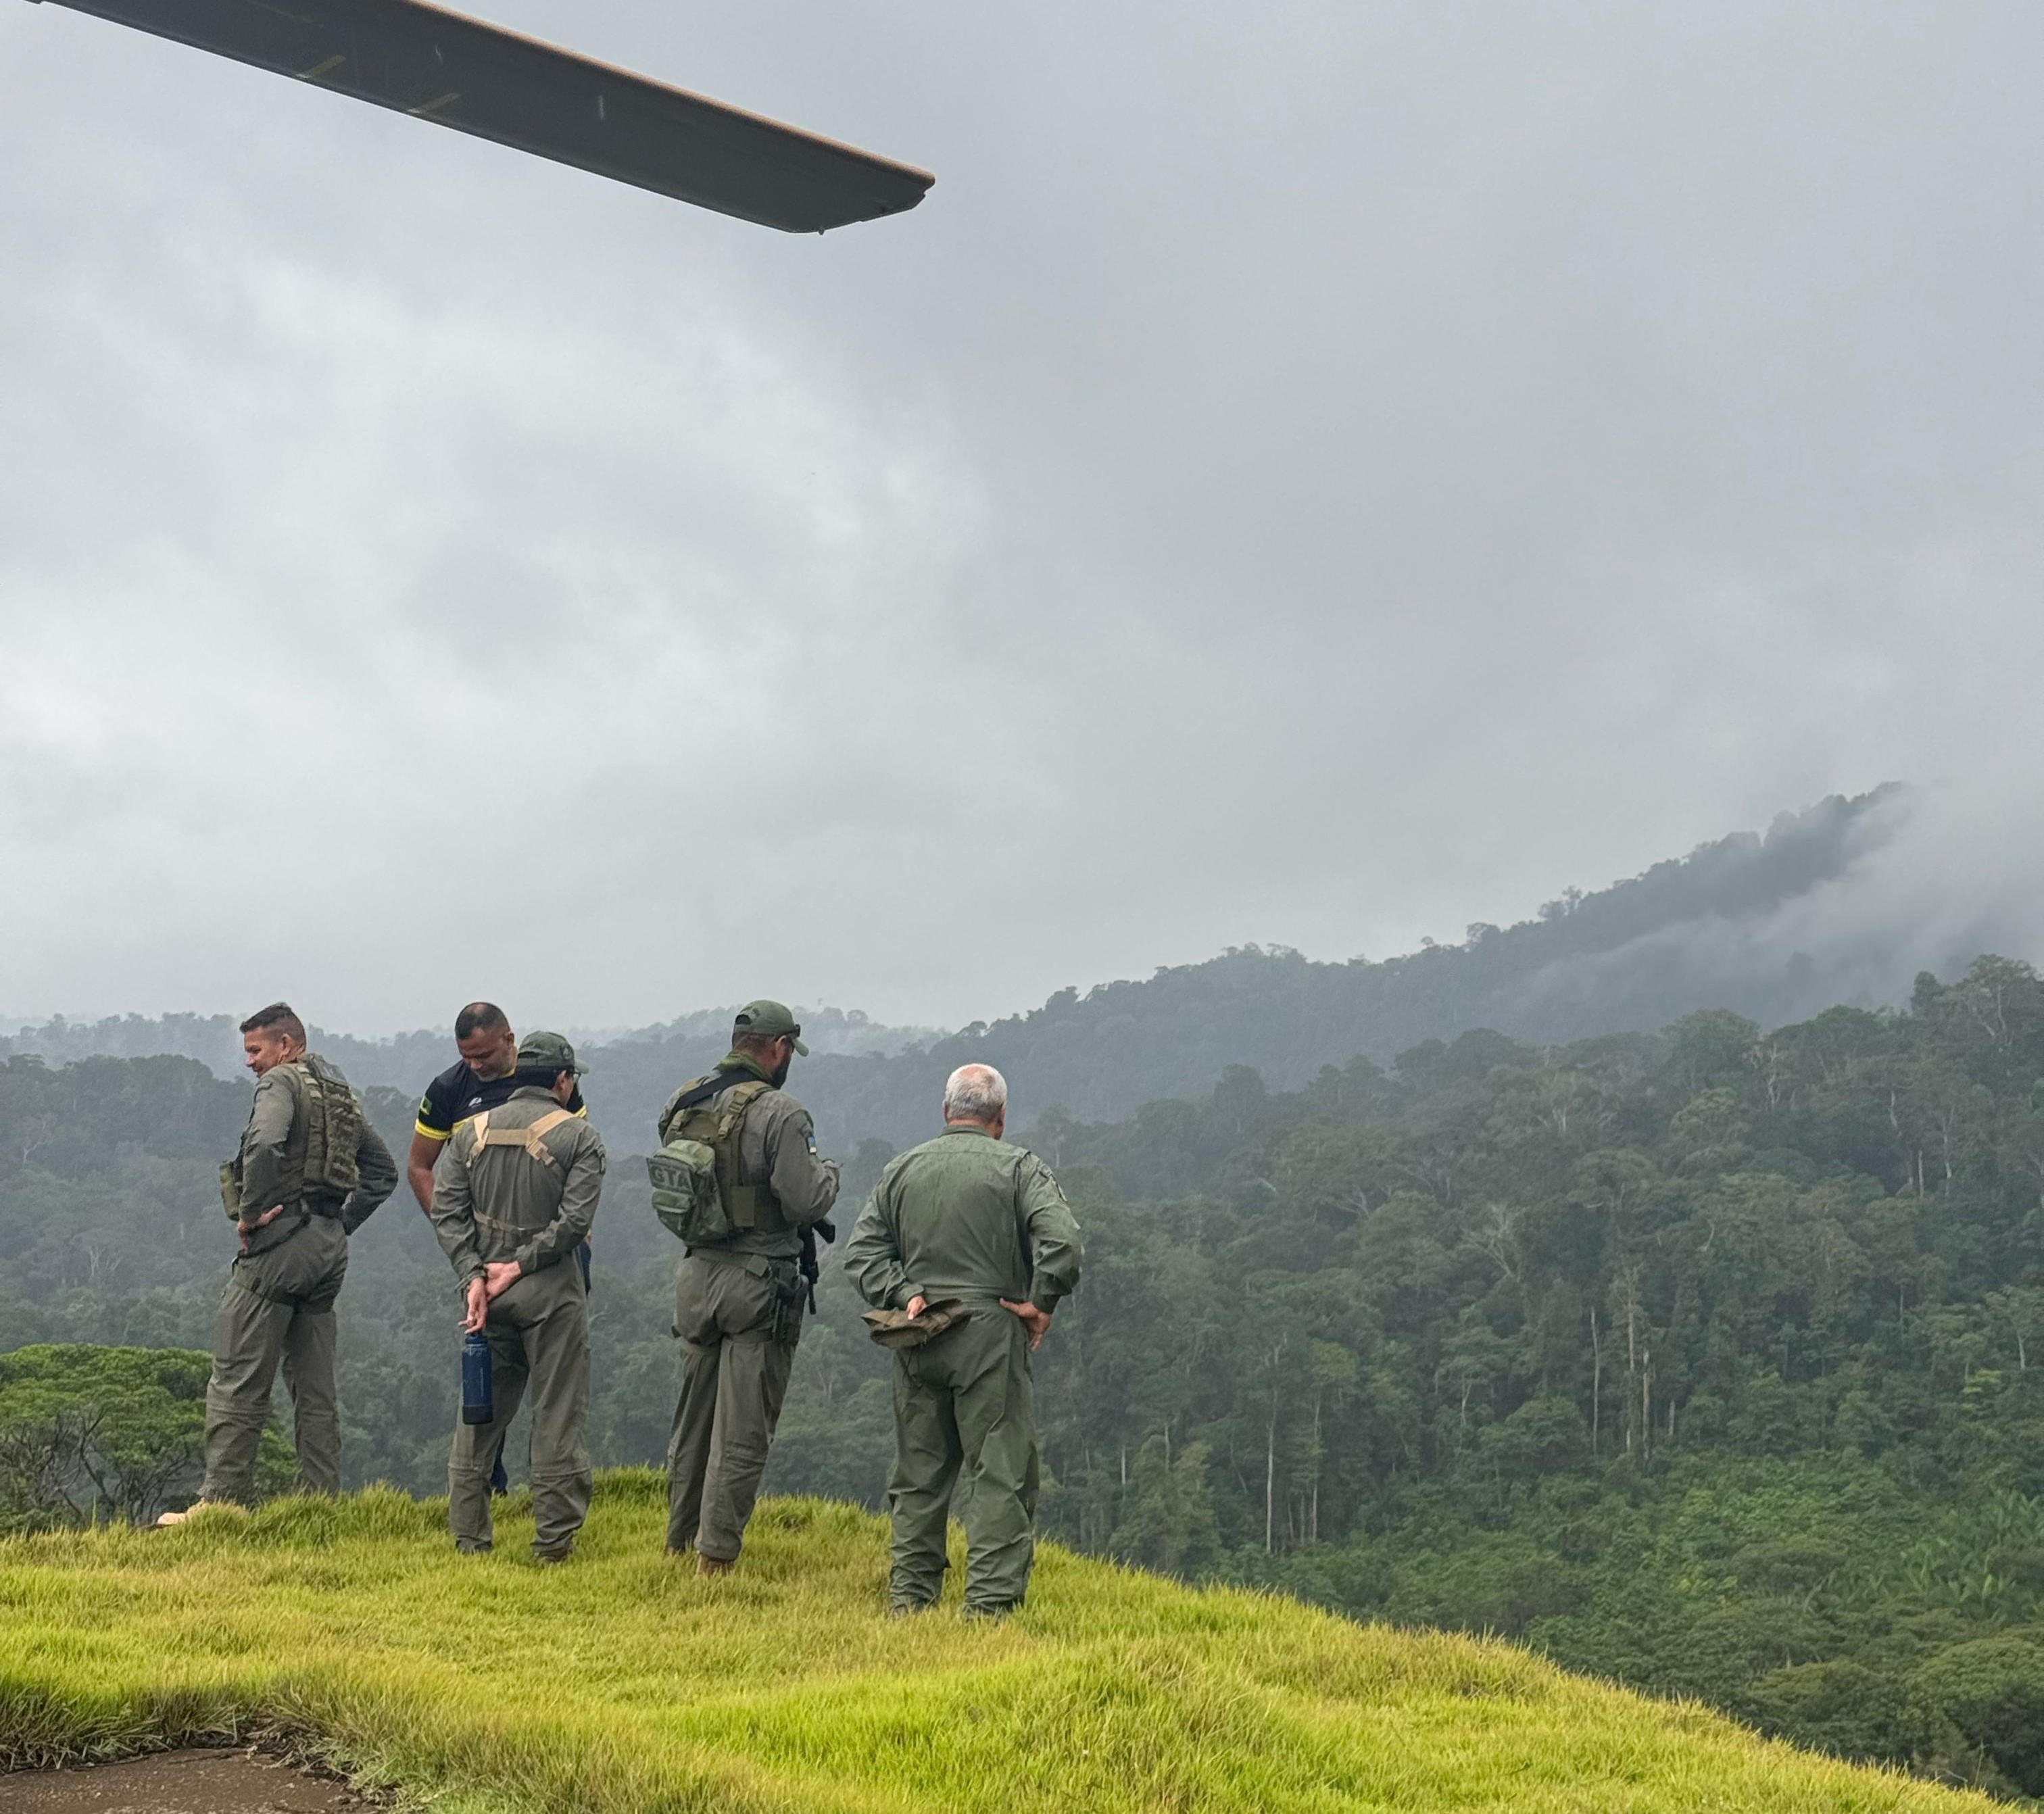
(457, 1093)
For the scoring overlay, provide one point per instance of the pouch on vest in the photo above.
(332, 1116)
(685, 1193)
(696, 1191)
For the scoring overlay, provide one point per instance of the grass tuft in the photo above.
(624, 1682)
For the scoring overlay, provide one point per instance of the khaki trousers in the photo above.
(278, 1307)
(538, 1331)
(964, 1412)
(738, 1333)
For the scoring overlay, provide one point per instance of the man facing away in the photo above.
(738, 1300)
(485, 1075)
(309, 1172)
(514, 1193)
(967, 1217)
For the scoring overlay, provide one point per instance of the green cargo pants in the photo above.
(278, 1307)
(964, 1407)
(538, 1331)
(739, 1328)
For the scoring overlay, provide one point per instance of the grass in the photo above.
(623, 1681)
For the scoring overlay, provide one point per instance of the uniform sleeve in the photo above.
(264, 1143)
(376, 1177)
(576, 1213)
(1053, 1236)
(804, 1182)
(872, 1256)
(453, 1214)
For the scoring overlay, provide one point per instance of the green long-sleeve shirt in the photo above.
(966, 1216)
(499, 1203)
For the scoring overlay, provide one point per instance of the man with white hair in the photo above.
(975, 1232)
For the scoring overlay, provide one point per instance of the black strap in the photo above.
(716, 1084)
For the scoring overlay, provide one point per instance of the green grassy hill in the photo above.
(624, 1682)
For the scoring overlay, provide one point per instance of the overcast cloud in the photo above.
(1312, 473)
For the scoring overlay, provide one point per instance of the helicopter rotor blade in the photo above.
(450, 69)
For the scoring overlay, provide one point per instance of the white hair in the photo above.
(974, 1093)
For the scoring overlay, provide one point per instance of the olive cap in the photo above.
(770, 1020)
(548, 1052)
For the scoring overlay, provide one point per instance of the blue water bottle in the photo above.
(478, 1397)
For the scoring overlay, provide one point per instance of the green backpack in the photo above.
(696, 1191)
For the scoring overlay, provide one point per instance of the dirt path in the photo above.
(179, 1782)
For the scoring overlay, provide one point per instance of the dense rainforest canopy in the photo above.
(1700, 1358)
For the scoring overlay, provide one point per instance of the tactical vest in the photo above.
(530, 1140)
(718, 1123)
(533, 1139)
(326, 1129)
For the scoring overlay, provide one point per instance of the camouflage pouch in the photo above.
(896, 1329)
(333, 1126)
(685, 1193)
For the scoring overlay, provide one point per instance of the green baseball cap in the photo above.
(770, 1020)
(548, 1052)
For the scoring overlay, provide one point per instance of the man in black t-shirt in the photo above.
(486, 1076)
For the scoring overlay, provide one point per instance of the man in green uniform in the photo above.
(514, 1194)
(738, 1300)
(310, 1171)
(967, 1217)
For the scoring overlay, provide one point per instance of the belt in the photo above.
(760, 1266)
(499, 1226)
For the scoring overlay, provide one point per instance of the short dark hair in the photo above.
(754, 1045)
(277, 1018)
(478, 1017)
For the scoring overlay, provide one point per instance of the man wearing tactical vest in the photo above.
(515, 1192)
(310, 1171)
(965, 1249)
(739, 1292)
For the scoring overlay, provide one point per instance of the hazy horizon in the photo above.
(1310, 475)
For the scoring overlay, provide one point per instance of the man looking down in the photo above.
(738, 1298)
(967, 1217)
(514, 1193)
(485, 1075)
(309, 1172)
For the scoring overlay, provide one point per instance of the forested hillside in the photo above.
(1700, 1358)
(1704, 931)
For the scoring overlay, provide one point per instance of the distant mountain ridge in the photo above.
(1755, 924)
(404, 1061)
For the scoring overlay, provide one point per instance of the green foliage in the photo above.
(1706, 1360)
(623, 1681)
(89, 1434)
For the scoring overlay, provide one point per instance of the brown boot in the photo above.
(714, 1565)
(169, 1518)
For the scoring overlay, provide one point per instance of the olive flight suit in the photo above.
(967, 1216)
(278, 1303)
(520, 1181)
(738, 1311)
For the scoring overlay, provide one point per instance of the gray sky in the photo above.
(1320, 474)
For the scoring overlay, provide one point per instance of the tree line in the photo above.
(1699, 1359)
